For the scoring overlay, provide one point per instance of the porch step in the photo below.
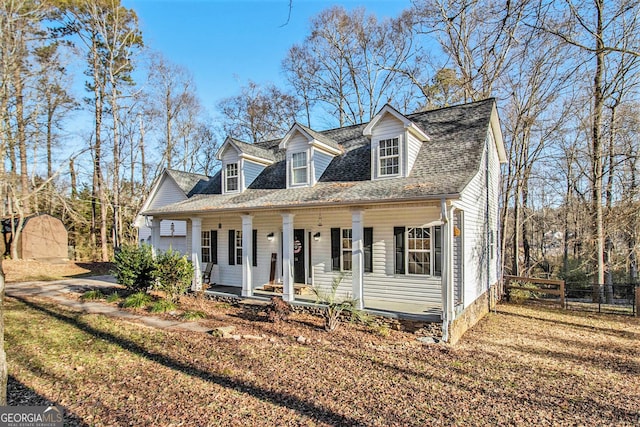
(297, 289)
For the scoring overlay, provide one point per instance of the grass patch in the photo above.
(137, 300)
(193, 315)
(92, 295)
(114, 297)
(162, 306)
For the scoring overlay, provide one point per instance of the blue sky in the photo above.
(226, 43)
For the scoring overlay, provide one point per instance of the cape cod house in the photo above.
(403, 208)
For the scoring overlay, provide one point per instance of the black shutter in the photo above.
(232, 247)
(335, 249)
(214, 246)
(398, 242)
(254, 255)
(368, 249)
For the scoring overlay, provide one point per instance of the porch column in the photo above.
(247, 251)
(196, 250)
(357, 245)
(287, 257)
(155, 236)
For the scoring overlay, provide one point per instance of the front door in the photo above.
(298, 256)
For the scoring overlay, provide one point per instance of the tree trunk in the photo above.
(596, 154)
(3, 355)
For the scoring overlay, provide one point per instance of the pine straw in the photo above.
(32, 270)
(523, 366)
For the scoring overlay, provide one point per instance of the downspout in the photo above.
(445, 271)
(487, 215)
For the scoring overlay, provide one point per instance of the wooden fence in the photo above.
(558, 290)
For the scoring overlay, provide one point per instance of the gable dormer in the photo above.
(308, 154)
(241, 164)
(395, 143)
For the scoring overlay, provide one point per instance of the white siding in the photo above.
(230, 155)
(320, 163)
(476, 245)
(251, 171)
(382, 283)
(168, 192)
(413, 148)
(388, 127)
(179, 228)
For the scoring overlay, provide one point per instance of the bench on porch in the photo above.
(278, 288)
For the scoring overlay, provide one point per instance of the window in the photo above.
(418, 250)
(347, 249)
(299, 168)
(232, 177)
(389, 157)
(239, 247)
(342, 249)
(205, 243)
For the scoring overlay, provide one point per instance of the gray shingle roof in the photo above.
(444, 166)
(189, 183)
(320, 137)
(254, 150)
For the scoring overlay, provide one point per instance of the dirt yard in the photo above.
(524, 365)
(30, 270)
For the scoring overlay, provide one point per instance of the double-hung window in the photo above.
(205, 243)
(389, 157)
(342, 249)
(238, 251)
(347, 249)
(299, 168)
(231, 177)
(418, 250)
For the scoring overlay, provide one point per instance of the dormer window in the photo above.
(299, 168)
(389, 157)
(231, 177)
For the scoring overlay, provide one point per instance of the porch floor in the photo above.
(401, 310)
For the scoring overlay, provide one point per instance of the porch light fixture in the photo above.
(316, 236)
(270, 237)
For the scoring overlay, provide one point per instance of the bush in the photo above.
(173, 274)
(334, 306)
(135, 267)
(278, 310)
(162, 306)
(520, 295)
(137, 300)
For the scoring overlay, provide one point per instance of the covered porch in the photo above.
(314, 246)
(400, 310)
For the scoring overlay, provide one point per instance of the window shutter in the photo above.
(214, 246)
(254, 255)
(368, 249)
(398, 242)
(232, 247)
(335, 249)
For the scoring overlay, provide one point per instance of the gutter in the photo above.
(303, 205)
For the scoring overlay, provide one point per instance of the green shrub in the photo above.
(92, 295)
(162, 306)
(113, 297)
(137, 300)
(193, 315)
(335, 307)
(173, 274)
(134, 267)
